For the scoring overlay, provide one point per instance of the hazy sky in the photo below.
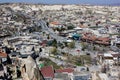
(65, 1)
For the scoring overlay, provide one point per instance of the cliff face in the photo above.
(30, 71)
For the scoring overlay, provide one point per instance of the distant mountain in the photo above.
(115, 4)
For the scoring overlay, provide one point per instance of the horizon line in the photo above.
(114, 4)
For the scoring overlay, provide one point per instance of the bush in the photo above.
(71, 45)
(70, 26)
(53, 50)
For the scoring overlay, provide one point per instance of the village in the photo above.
(59, 42)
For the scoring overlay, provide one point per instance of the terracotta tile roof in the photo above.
(2, 54)
(47, 72)
(100, 40)
(89, 36)
(55, 23)
(68, 70)
(93, 38)
(84, 37)
(103, 39)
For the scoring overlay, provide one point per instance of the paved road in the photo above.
(51, 32)
(48, 30)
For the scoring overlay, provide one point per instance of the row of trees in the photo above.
(62, 28)
(55, 45)
(92, 47)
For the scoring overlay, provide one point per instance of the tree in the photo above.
(84, 46)
(81, 22)
(94, 48)
(70, 26)
(48, 36)
(54, 43)
(65, 43)
(47, 23)
(71, 45)
(89, 11)
(62, 29)
(87, 69)
(40, 49)
(43, 33)
(54, 29)
(53, 50)
(60, 44)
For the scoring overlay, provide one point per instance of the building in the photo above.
(109, 58)
(80, 76)
(47, 72)
(3, 56)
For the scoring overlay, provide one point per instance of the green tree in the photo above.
(87, 69)
(43, 33)
(84, 46)
(47, 23)
(53, 50)
(65, 43)
(70, 26)
(54, 29)
(89, 11)
(54, 43)
(71, 45)
(48, 36)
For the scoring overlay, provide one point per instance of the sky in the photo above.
(65, 1)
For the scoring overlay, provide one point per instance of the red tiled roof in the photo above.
(89, 37)
(93, 38)
(47, 71)
(68, 70)
(84, 37)
(2, 54)
(103, 39)
(100, 40)
(55, 23)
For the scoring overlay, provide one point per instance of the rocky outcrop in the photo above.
(30, 71)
